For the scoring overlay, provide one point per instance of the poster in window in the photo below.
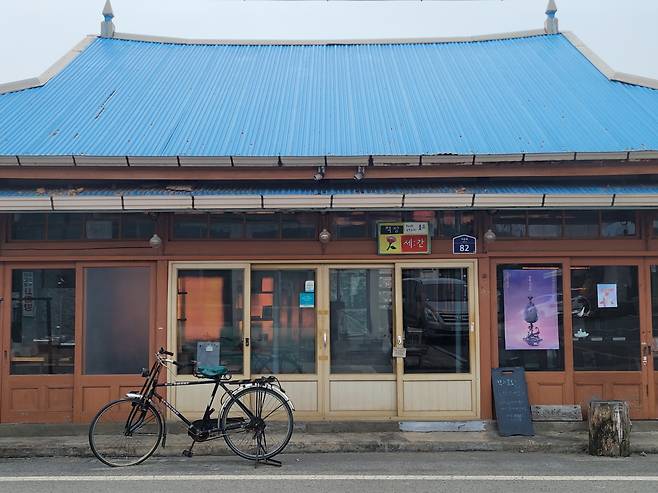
(531, 309)
(606, 295)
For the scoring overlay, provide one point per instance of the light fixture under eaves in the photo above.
(319, 174)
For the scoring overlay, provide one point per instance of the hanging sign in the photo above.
(403, 238)
(531, 309)
(464, 245)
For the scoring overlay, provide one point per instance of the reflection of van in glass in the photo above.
(438, 306)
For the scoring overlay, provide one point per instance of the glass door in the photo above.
(283, 325)
(208, 323)
(361, 369)
(118, 310)
(607, 336)
(39, 348)
(439, 374)
(650, 346)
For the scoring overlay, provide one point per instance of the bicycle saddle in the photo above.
(212, 371)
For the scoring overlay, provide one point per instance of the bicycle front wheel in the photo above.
(263, 431)
(125, 432)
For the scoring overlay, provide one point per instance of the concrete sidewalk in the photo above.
(323, 437)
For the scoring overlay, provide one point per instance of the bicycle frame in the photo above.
(149, 392)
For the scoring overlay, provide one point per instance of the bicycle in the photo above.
(255, 420)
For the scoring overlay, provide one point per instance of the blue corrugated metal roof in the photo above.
(526, 95)
(205, 190)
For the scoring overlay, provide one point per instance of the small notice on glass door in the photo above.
(606, 295)
(306, 300)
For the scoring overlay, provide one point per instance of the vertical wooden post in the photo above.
(609, 429)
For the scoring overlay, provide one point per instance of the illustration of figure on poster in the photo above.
(531, 308)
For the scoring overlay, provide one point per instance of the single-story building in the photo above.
(377, 222)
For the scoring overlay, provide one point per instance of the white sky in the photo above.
(35, 33)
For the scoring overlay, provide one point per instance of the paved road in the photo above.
(363, 473)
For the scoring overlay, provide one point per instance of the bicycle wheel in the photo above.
(264, 436)
(125, 433)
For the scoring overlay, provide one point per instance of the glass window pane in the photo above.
(350, 225)
(581, 224)
(42, 321)
(654, 314)
(28, 226)
(423, 217)
(454, 223)
(377, 217)
(298, 226)
(210, 308)
(283, 321)
(605, 318)
(361, 320)
(117, 316)
(137, 226)
(522, 291)
(545, 224)
(436, 320)
(102, 226)
(263, 226)
(615, 224)
(228, 226)
(510, 224)
(65, 226)
(190, 226)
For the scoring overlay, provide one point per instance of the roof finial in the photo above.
(550, 26)
(107, 26)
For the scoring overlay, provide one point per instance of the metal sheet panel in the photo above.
(141, 99)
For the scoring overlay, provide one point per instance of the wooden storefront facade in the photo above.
(319, 393)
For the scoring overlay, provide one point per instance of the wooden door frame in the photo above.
(652, 370)
(172, 293)
(564, 377)
(328, 377)
(80, 378)
(6, 270)
(320, 317)
(569, 376)
(475, 338)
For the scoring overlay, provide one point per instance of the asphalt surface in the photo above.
(489, 472)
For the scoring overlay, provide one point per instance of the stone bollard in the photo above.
(609, 429)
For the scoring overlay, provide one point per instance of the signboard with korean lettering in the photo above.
(403, 238)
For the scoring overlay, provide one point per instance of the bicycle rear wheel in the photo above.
(267, 433)
(125, 432)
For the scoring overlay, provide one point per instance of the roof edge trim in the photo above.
(604, 68)
(457, 39)
(314, 161)
(52, 71)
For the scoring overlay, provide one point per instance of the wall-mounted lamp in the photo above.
(319, 174)
(360, 173)
(324, 236)
(489, 236)
(155, 241)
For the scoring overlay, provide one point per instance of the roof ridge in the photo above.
(323, 42)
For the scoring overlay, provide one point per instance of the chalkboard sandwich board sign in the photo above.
(510, 393)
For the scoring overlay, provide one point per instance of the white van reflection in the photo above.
(436, 306)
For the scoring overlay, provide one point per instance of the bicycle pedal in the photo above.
(188, 453)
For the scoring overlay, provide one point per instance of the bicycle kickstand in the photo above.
(268, 462)
(260, 459)
(188, 452)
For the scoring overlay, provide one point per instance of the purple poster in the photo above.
(530, 298)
